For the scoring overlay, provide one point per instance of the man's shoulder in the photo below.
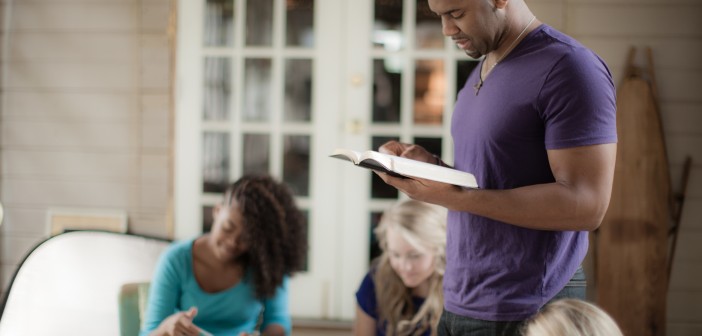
(555, 38)
(564, 51)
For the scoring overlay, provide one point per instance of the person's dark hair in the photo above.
(275, 228)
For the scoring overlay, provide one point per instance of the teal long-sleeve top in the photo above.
(228, 312)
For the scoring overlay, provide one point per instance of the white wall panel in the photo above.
(154, 16)
(90, 77)
(679, 147)
(84, 107)
(42, 46)
(24, 221)
(109, 195)
(685, 276)
(15, 247)
(684, 306)
(153, 168)
(116, 137)
(550, 13)
(93, 17)
(626, 21)
(670, 52)
(75, 166)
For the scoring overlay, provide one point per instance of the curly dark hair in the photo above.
(274, 226)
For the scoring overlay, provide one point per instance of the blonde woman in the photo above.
(571, 317)
(402, 293)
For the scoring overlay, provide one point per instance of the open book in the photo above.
(404, 167)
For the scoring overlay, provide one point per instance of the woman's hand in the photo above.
(180, 324)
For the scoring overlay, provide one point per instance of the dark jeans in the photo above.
(453, 325)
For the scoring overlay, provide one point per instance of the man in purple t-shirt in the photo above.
(535, 123)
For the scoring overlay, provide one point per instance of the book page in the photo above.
(347, 154)
(429, 171)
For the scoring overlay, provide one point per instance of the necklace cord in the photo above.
(511, 46)
(480, 82)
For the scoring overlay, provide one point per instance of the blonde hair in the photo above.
(571, 317)
(423, 225)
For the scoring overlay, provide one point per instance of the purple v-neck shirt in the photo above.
(550, 92)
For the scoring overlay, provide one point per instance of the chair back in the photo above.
(70, 284)
(132, 307)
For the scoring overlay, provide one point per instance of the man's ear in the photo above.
(500, 4)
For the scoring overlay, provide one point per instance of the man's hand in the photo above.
(409, 151)
(416, 188)
(421, 189)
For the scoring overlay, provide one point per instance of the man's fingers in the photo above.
(392, 147)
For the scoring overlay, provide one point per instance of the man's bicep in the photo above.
(586, 170)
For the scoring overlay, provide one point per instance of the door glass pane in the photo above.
(387, 25)
(296, 163)
(215, 162)
(259, 22)
(463, 70)
(428, 29)
(387, 80)
(207, 218)
(257, 89)
(256, 153)
(374, 245)
(298, 89)
(306, 214)
(300, 23)
(429, 86)
(433, 145)
(216, 94)
(380, 189)
(219, 23)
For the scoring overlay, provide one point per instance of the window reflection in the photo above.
(298, 90)
(387, 79)
(215, 162)
(433, 145)
(257, 89)
(306, 214)
(207, 218)
(219, 23)
(374, 244)
(429, 90)
(217, 90)
(380, 189)
(296, 163)
(428, 28)
(259, 22)
(300, 23)
(256, 153)
(387, 26)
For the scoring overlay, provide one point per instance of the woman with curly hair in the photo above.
(234, 279)
(402, 293)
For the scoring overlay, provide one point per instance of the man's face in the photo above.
(472, 24)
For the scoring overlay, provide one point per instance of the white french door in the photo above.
(274, 86)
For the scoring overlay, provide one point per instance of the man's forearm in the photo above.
(552, 206)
